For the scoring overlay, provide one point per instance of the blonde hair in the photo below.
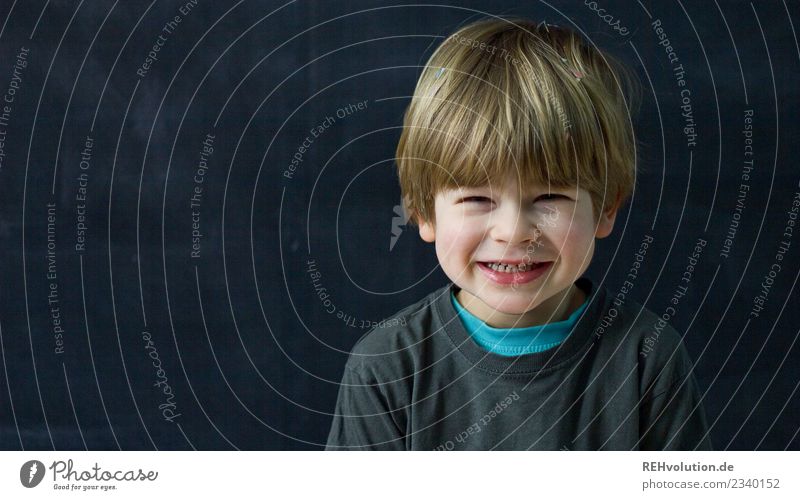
(507, 97)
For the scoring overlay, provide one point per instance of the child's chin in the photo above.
(516, 306)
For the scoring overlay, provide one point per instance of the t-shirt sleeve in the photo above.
(673, 418)
(363, 418)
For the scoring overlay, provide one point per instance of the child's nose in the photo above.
(511, 226)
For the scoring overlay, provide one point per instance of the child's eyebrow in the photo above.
(532, 191)
(456, 196)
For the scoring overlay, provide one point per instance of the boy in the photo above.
(516, 153)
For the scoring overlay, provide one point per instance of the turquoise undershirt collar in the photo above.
(517, 341)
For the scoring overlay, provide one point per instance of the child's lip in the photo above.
(515, 278)
(514, 262)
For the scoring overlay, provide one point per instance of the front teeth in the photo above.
(505, 268)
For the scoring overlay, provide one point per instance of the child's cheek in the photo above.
(457, 241)
(579, 234)
(444, 239)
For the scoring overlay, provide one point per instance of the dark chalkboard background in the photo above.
(250, 353)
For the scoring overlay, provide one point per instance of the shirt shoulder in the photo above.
(658, 347)
(396, 340)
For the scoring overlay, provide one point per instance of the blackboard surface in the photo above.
(198, 209)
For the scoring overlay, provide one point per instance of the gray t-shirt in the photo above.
(620, 381)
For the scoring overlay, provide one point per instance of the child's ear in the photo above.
(605, 223)
(427, 231)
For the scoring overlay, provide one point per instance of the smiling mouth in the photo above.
(512, 267)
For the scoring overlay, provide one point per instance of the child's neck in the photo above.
(559, 307)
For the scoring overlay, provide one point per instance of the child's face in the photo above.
(552, 235)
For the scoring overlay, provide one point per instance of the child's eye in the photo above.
(551, 196)
(475, 199)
